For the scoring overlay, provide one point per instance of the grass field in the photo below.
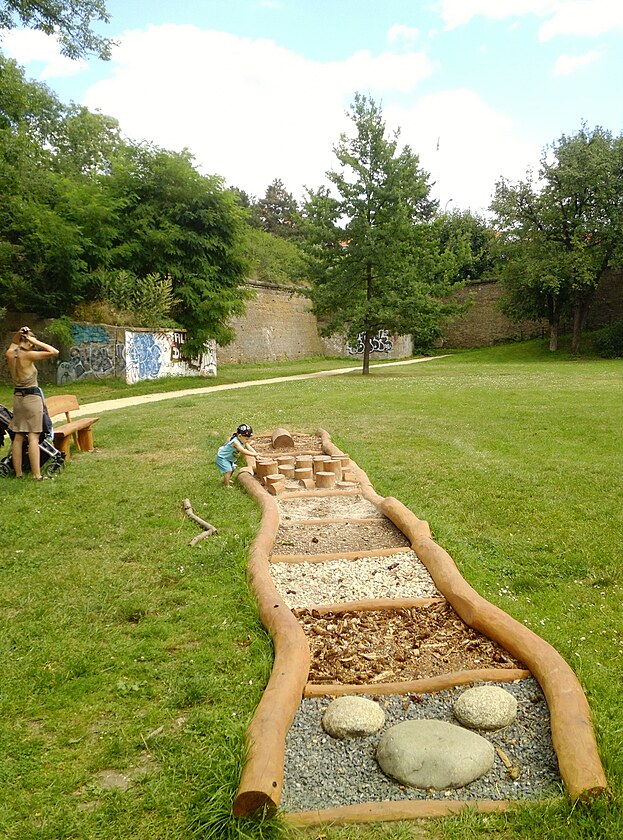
(125, 651)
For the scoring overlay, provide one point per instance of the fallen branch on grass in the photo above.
(208, 530)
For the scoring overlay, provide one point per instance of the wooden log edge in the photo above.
(338, 555)
(371, 604)
(394, 811)
(261, 781)
(367, 490)
(422, 686)
(573, 736)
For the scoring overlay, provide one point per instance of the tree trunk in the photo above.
(366, 353)
(580, 314)
(554, 322)
(553, 336)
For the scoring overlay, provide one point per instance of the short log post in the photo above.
(319, 462)
(282, 439)
(286, 470)
(265, 467)
(325, 480)
(307, 483)
(304, 462)
(334, 466)
(275, 483)
(303, 472)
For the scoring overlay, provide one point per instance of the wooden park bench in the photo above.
(80, 430)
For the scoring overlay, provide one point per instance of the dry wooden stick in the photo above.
(208, 530)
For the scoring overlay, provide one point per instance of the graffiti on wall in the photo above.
(94, 355)
(154, 355)
(379, 343)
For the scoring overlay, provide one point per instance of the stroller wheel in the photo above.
(53, 468)
(5, 470)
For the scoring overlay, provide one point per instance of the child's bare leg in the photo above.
(227, 479)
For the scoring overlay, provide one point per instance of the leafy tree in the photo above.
(374, 259)
(561, 232)
(277, 212)
(472, 238)
(177, 222)
(70, 20)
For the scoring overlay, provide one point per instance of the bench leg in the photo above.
(85, 439)
(63, 443)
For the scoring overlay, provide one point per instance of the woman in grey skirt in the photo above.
(27, 419)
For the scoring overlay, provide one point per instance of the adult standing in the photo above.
(28, 404)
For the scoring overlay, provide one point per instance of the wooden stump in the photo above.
(334, 466)
(319, 462)
(304, 462)
(275, 483)
(265, 467)
(287, 470)
(308, 483)
(325, 479)
(303, 472)
(282, 439)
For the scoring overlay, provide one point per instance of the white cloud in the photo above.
(465, 145)
(30, 45)
(563, 17)
(567, 64)
(460, 12)
(583, 17)
(250, 110)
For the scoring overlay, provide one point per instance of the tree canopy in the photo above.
(78, 202)
(375, 260)
(70, 20)
(559, 232)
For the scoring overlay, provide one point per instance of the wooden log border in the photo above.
(261, 780)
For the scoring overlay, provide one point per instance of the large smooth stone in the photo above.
(352, 717)
(486, 707)
(434, 754)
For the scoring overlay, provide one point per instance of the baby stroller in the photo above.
(52, 461)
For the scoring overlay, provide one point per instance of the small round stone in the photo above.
(486, 707)
(352, 717)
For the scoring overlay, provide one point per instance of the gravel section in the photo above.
(335, 538)
(322, 772)
(337, 581)
(328, 507)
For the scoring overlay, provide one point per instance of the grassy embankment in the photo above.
(124, 650)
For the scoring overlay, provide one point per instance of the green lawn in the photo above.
(123, 650)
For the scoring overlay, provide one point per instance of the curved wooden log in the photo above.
(282, 439)
(261, 781)
(422, 686)
(572, 731)
(411, 809)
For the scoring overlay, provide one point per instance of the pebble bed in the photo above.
(324, 772)
(307, 585)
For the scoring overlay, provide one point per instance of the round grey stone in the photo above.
(434, 754)
(352, 717)
(486, 707)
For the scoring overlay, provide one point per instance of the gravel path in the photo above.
(336, 581)
(322, 772)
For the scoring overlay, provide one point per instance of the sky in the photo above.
(260, 89)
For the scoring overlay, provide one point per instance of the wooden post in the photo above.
(325, 479)
(265, 467)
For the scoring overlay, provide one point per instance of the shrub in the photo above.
(609, 341)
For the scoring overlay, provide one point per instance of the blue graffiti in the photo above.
(89, 334)
(144, 355)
